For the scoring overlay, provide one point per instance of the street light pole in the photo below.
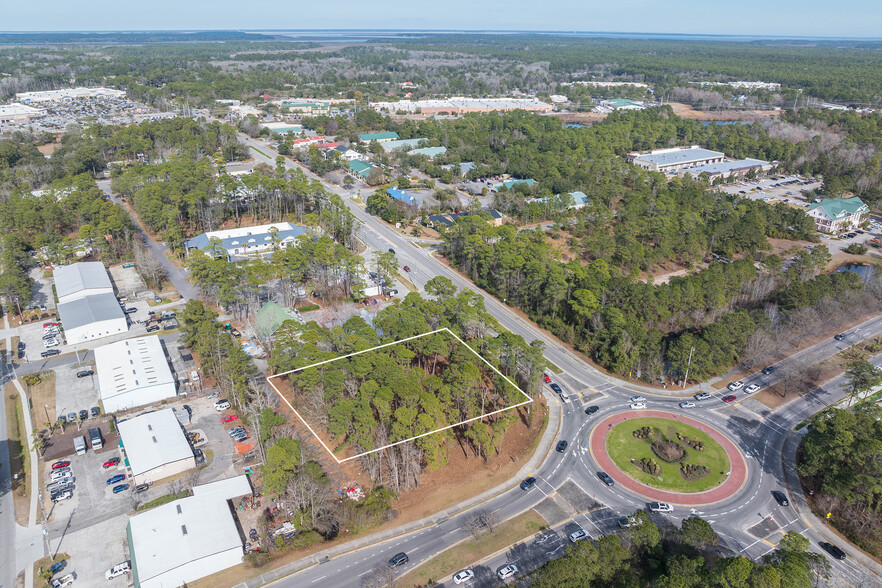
(688, 363)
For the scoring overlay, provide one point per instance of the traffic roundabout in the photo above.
(668, 457)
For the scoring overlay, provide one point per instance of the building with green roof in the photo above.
(832, 215)
(360, 169)
(270, 317)
(378, 137)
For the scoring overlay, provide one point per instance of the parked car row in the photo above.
(61, 482)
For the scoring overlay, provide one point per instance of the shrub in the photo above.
(649, 466)
(309, 307)
(668, 450)
(306, 539)
(856, 249)
(644, 433)
(691, 471)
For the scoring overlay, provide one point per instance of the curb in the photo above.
(539, 456)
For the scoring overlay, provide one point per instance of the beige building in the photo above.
(155, 446)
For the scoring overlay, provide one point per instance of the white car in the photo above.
(738, 385)
(463, 576)
(51, 343)
(687, 405)
(752, 388)
(660, 507)
(702, 396)
(638, 399)
(565, 397)
(638, 405)
(579, 535)
(194, 376)
(118, 570)
(222, 405)
(506, 572)
(56, 476)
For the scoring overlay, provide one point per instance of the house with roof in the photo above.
(403, 196)
(244, 242)
(570, 201)
(378, 137)
(446, 220)
(349, 154)
(833, 215)
(360, 169)
(430, 152)
(510, 184)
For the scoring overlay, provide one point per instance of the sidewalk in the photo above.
(799, 504)
(554, 419)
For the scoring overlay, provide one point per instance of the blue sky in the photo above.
(846, 18)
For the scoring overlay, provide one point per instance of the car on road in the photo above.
(769, 370)
(832, 550)
(60, 464)
(561, 446)
(112, 462)
(463, 576)
(229, 419)
(152, 328)
(546, 379)
(212, 395)
(528, 483)
(638, 399)
(85, 373)
(120, 488)
(392, 251)
(737, 385)
(399, 559)
(565, 398)
(660, 507)
(507, 571)
(637, 405)
(592, 409)
(840, 337)
(607, 479)
(406, 268)
(780, 498)
(115, 479)
(50, 353)
(729, 398)
(702, 396)
(752, 388)
(579, 535)
(687, 405)
(556, 388)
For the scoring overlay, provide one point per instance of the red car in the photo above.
(229, 419)
(60, 464)
(114, 461)
(407, 268)
(729, 398)
(46, 325)
(546, 378)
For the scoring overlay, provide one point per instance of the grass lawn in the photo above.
(622, 446)
(19, 456)
(468, 552)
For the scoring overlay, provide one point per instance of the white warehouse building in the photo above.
(133, 373)
(155, 446)
(190, 538)
(77, 280)
(87, 307)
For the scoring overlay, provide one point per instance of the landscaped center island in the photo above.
(667, 454)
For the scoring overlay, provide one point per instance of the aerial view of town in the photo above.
(366, 296)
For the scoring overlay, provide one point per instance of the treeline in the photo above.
(644, 554)
(374, 399)
(839, 461)
(633, 327)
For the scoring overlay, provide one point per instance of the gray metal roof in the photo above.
(680, 156)
(70, 279)
(89, 309)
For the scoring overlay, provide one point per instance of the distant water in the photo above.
(864, 271)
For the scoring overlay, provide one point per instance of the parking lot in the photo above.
(788, 189)
(95, 550)
(73, 394)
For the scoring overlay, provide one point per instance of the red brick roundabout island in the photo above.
(733, 483)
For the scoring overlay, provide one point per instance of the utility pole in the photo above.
(688, 363)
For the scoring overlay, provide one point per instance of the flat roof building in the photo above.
(78, 280)
(402, 144)
(675, 159)
(133, 373)
(247, 241)
(430, 152)
(155, 446)
(69, 94)
(19, 113)
(91, 317)
(188, 539)
(734, 167)
(462, 105)
(282, 128)
(378, 137)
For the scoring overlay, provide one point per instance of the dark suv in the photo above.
(606, 478)
(780, 498)
(399, 559)
(528, 483)
(832, 550)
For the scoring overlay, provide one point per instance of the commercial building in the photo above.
(622, 104)
(430, 152)
(19, 113)
(133, 373)
(247, 241)
(282, 128)
(69, 94)
(87, 306)
(378, 137)
(155, 446)
(360, 169)
(91, 317)
(730, 168)
(349, 154)
(833, 215)
(306, 107)
(402, 144)
(403, 196)
(190, 538)
(79, 280)
(675, 159)
(462, 105)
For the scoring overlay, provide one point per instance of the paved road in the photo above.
(749, 522)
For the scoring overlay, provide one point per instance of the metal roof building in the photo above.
(91, 317)
(81, 279)
(403, 196)
(360, 168)
(133, 373)
(402, 144)
(727, 168)
(675, 159)
(188, 539)
(246, 241)
(378, 137)
(155, 446)
(430, 152)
